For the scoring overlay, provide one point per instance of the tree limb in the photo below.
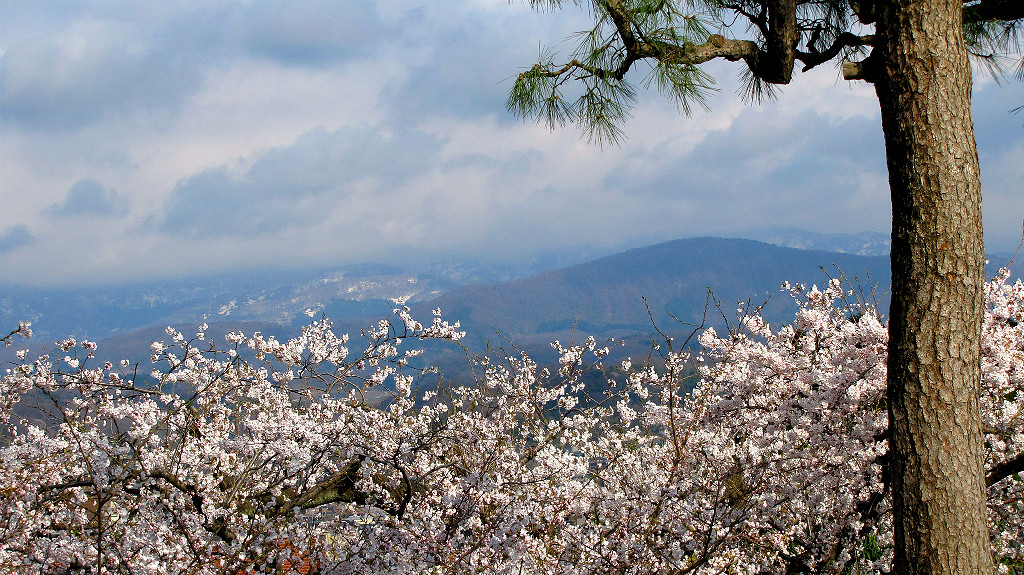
(717, 46)
(988, 10)
(67, 485)
(865, 70)
(815, 58)
(1004, 470)
(340, 487)
(686, 54)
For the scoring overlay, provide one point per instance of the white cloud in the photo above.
(14, 237)
(89, 197)
(288, 134)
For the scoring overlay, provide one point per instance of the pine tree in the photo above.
(917, 58)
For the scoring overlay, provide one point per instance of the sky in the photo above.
(157, 139)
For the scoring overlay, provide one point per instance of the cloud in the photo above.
(89, 197)
(298, 133)
(351, 169)
(769, 168)
(13, 237)
(468, 74)
(107, 63)
(312, 33)
(93, 69)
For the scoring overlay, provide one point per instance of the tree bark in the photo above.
(937, 470)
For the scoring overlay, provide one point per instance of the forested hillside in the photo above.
(606, 297)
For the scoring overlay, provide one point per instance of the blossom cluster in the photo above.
(763, 452)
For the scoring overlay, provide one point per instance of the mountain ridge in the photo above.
(612, 295)
(632, 293)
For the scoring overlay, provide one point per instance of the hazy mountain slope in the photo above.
(281, 297)
(606, 297)
(603, 297)
(861, 243)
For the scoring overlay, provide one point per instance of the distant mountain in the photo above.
(861, 243)
(606, 297)
(276, 297)
(611, 297)
(282, 297)
(603, 297)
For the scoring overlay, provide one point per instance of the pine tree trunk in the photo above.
(936, 468)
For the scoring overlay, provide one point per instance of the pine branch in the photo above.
(988, 10)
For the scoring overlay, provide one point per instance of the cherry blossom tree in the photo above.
(259, 455)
